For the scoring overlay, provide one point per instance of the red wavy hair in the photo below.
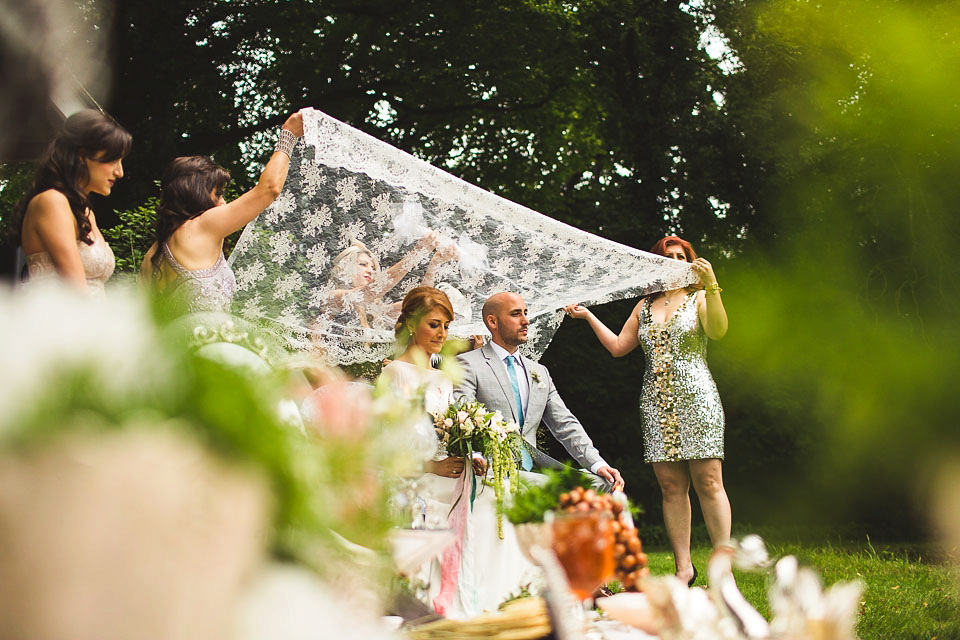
(661, 247)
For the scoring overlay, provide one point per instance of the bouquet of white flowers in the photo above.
(466, 428)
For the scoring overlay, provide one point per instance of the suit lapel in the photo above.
(500, 373)
(537, 381)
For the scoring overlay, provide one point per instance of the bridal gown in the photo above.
(491, 569)
(681, 413)
(98, 264)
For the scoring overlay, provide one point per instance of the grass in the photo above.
(906, 595)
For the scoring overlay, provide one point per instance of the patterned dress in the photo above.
(200, 289)
(98, 264)
(680, 408)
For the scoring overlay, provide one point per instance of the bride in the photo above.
(456, 587)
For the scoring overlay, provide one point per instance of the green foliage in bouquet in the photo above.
(468, 427)
(532, 501)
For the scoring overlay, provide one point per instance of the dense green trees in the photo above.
(816, 171)
(598, 113)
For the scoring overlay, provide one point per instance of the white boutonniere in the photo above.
(536, 379)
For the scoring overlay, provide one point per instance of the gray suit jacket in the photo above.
(485, 379)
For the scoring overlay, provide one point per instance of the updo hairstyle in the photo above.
(417, 303)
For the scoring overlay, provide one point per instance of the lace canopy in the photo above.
(359, 223)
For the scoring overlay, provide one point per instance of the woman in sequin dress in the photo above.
(186, 262)
(680, 408)
(54, 223)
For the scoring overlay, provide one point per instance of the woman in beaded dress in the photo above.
(54, 223)
(479, 571)
(186, 262)
(680, 408)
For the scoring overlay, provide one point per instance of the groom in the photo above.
(502, 380)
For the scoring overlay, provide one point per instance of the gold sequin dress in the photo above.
(679, 405)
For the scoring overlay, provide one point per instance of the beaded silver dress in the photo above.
(98, 265)
(200, 289)
(679, 405)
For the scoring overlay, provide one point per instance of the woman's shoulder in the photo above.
(51, 202)
(47, 213)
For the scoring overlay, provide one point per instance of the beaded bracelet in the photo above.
(286, 142)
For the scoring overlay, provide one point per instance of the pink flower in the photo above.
(339, 410)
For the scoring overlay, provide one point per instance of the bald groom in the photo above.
(499, 377)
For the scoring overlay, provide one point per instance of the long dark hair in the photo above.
(83, 135)
(184, 194)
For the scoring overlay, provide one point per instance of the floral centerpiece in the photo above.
(467, 428)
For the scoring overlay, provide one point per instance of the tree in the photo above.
(599, 113)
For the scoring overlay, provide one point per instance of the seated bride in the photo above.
(480, 570)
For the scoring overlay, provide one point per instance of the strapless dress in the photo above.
(98, 265)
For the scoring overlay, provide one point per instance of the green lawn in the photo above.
(907, 595)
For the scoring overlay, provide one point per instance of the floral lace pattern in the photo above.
(345, 186)
(201, 289)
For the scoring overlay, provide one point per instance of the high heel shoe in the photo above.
(694, 578)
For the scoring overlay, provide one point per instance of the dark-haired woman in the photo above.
(186, 262)
(680, 408)
(54, 223)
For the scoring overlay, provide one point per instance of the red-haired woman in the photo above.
(680, 408)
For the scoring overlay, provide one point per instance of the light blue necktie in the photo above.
(525, 460)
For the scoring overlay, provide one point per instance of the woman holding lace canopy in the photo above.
(682, 417)
(186, 262)
(361, 285)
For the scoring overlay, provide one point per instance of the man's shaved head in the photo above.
(505, 315)
(495, 305)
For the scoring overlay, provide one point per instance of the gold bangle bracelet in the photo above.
(713, 288)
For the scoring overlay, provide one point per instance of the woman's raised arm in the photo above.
(618, 345)
(223, 220)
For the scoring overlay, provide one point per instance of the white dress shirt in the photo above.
(522, 381)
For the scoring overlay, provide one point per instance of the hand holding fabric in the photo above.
(704, 271)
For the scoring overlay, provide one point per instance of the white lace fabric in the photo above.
(417, 223)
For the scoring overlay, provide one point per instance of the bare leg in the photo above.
(707, 478)
(674, 480)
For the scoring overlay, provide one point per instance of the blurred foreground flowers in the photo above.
(149, 491)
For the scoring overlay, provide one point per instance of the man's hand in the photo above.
(612, 476)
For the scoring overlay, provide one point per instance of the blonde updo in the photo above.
(345, 264)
